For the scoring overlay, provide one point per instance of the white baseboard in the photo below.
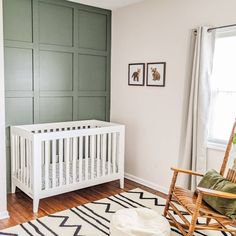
(147, 183)
(4, 215)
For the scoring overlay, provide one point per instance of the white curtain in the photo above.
(193, 150)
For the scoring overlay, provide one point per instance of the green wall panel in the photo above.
(57, 62)
(18, 69)
(19, 111)
(92, 73)
(92, 108)
(55, 109)
(56, 71)
(18, 20)
(92, 30)
(55, 24)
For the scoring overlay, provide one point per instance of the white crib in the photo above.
(50, 159)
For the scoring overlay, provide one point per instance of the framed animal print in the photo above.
(156, 73)
(136, 74)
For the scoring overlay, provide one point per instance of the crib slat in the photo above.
(86, 157)
(92, 154)
(113, 156)
(22, 159)
(60, 162)
(80, 158)
(13, 154)
(104, 145)
(67, 160)
(29, 164)
(74, 158)
(109, 154)
(98, 154)
(17, 157)
(54, 163)
(46, 164)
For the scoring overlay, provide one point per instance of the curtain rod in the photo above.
(216, 28)
(221, 27)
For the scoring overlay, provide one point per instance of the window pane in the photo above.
(223, 115)
(223, 108)
(224, 70)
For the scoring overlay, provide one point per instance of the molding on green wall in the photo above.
(39, 54)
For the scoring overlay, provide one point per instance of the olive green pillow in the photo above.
(213, 180)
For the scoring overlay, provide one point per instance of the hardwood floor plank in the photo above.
(20, 205)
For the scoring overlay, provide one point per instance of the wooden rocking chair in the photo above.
(193, 205)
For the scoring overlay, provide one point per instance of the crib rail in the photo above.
(53, 158)
(63, 126)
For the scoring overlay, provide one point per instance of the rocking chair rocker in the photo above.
(192, 203)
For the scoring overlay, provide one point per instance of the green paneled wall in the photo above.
(57, 62)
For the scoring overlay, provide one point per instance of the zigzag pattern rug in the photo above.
(92, 219)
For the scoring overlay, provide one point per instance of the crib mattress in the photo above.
(84, 175)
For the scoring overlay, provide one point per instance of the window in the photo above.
(223, 107)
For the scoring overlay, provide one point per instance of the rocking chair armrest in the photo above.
(190, 172)
(215, 193)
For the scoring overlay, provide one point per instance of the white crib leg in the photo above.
(35, 205)
(122, 185)
(13, 187)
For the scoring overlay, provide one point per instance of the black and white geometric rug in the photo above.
(92, 219)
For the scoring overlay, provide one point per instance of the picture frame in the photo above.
(136, 74)
(156, 74)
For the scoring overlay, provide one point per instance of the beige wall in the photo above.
(151, 31)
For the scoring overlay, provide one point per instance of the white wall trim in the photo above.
(147, 183)
(4, 215)
(3, 188)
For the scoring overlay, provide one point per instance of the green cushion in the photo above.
(213, 180)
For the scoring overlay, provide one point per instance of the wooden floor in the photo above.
(20, 205)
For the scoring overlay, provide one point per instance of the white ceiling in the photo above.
(107, 4)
